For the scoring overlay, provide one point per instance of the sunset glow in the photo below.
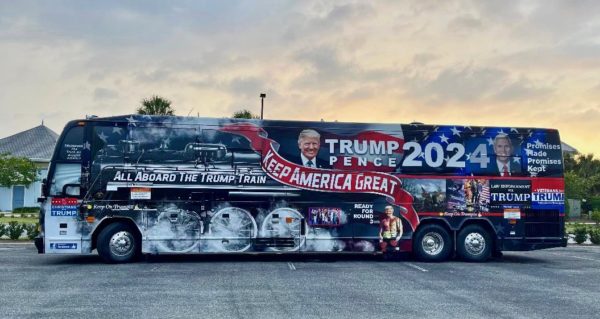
(521, 63)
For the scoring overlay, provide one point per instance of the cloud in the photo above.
(578, 126)
(522, 89)
(247, 87)
(421, 59)
(322, 68)
(460, 84)
(314, 19)
(102, 94)
(563, 56)
(153, 76)
(465, 23)
(472, 84)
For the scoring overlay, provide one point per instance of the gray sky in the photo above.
(508, 63)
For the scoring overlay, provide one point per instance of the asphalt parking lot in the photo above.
(555, 283)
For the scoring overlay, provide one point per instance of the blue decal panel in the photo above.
(63, 245)
(64, 207)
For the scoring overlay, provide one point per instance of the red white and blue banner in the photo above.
(324, 180)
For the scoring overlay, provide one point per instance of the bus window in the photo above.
(71, 146)
(67, 169)
(111, 144)
(64, 174)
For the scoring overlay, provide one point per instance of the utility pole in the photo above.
(262, 104)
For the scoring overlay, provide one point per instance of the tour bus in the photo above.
(132, 185)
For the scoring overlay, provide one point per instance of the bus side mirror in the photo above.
(45, 187)
(72, 190)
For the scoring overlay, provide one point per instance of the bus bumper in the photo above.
(522, 244)
(39, 244)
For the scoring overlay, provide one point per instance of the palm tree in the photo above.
(244, 114)
(588, 166)
(155, 106)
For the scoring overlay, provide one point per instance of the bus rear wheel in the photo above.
(118, 243)
(474, 244)
(432, 243)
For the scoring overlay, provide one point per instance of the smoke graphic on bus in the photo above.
(231, 229)
(175, 230)
(321, 239)
(364, 245)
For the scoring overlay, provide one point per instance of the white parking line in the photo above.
(578, 257)
(417, 267)
(584, 258)
(292, 267)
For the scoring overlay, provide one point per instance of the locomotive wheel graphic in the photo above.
(283, 223)
(180, 229)
(232, 229)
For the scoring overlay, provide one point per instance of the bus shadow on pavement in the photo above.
(265, 257)
(227, 257)
(73, 260)
(520, 259)
(282, 257)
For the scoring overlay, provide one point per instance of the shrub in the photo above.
(595, 236)
(32, 230)
(3, 229)
(14, 230)
(596, 216)
(580, 233)
(26, 210)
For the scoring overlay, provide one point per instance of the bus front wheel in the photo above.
(118, 243)
(474, 244)
(432, 243)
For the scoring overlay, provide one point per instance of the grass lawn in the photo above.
(22, 220)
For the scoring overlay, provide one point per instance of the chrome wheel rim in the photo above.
(432, 243)
(121, 243)
(475, 243)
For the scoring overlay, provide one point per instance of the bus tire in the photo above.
(432, 243)
(474, 244)
(118, 243)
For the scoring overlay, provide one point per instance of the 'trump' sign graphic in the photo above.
(327, 180)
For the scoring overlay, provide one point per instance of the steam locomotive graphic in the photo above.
(177, 224)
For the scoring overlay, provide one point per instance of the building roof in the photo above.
(37, 144)
(566, 148)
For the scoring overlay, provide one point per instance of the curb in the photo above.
(14, 242)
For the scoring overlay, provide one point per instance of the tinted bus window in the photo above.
(71, 145)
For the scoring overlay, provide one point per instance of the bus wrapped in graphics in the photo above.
(132, 185)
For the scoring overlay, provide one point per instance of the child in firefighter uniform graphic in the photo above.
(390, 230)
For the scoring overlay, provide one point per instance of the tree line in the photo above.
(157, 105)
(582, 176)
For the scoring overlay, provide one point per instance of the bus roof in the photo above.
(188, 120)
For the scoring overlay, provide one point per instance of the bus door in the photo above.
(62, 227)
